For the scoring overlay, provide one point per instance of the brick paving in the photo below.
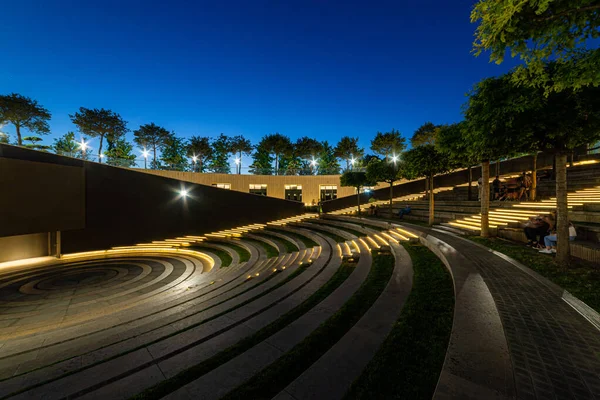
(555, 352)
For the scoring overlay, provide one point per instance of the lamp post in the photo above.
(145, 154)
(194, 160)
(83, 146)
(238, 165)
(313, 164)
(352, 161)
(394, 160)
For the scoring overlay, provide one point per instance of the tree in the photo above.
(278, 145)
(173, 153)
(262, 162)
(452, 141)
(66, 145)
(348, 150)
(100, 123)
(385, 171)
(306, 149)
(558, 122)
(120, 153)
(358, 180)
(151, 136)
(24, 112)
(239, 145)
(200, 150)
(426, 161)
(327, 163)
(34, 142)
(539, 31)
(388, 144)
(425, 134)
(489, 116)
(219, 162)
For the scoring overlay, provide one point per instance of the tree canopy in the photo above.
(425, 134)
(539, 31)
(348, 149)
(24, 112)
(278, 145)
(389, 143)
(151, 136)
(200, 150)
(99, 123)
(425, 161)
(120, 153)
(219, 161)
(66, 145)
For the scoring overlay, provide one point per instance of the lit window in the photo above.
(258, 189)
(328, 192)
(222, 185)
(293, 192)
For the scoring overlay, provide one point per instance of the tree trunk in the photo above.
(485, 198)
(562, 212)
(470, 190)
(100, 149)
(533, 193)
(276, 164)
(18, 129)
(358, 199)
(391, 196)
(154, 159)
(431, 204)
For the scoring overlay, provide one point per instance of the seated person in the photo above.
(550, 240)
(496, 185)
(403, 211)
(536, 226)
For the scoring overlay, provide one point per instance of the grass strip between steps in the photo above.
(308, 242)
(289, 246)
(336, 238)
(270, 381)
(242, 252)
(293, 275)
(409, 362)
(222, 254)
(270, 250)
(349, 230)
(167, 386)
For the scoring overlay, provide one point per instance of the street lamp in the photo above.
(352, 161)
(194, 160)
(145, 153)
(313, 163)
(238, 164)
(83, 146)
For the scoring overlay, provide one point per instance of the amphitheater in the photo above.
(302, 306)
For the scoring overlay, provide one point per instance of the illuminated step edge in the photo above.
(464, 226)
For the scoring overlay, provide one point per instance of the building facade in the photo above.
(308, 189)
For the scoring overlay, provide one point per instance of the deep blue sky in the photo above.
(319, 68)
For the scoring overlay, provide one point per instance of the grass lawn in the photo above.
(222, 254)
(204, 367)
(409, 362)
(308, 242)
(270, 381)
(270, 250)
(242, 252)
(289, 246)
(582, 280)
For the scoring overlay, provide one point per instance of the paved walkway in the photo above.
(555, 352)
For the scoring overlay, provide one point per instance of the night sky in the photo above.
(316, 68)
